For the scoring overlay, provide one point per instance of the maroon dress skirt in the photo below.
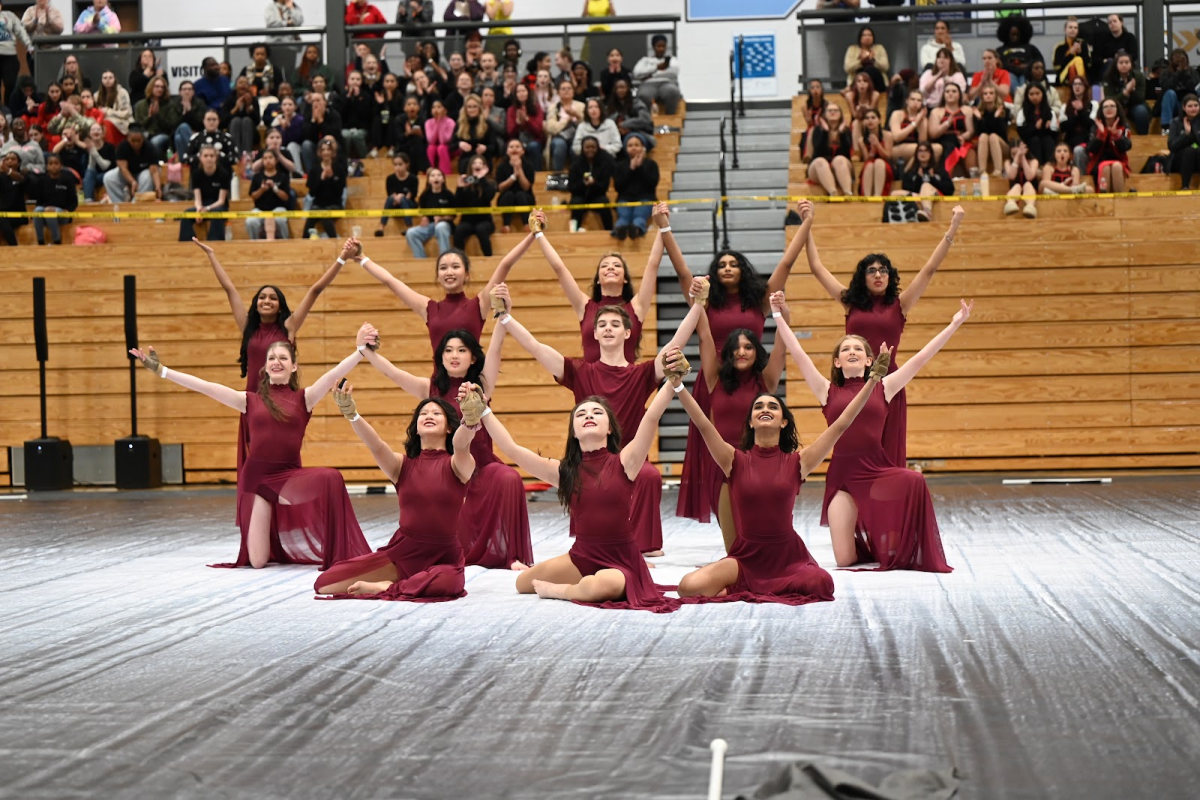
(587, 329)
(728, 411)
(896, 523)
(425, 548)
(493, 527)
(456, 312)
(312, 521)
(774, 566)
(603, 536)
(695, 482)
(256, 359)
(882, 323)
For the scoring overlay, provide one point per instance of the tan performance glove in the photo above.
(879, 369)
(345, 403)
(702, 294)
(472, 408)
(152, 363)
(535, 225)
(680, 368)
(499, 308)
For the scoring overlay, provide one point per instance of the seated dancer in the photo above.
(768, 561)
(625, 386)
(493, 528)
(595, 479)
(875, 511)
(423, 562)
(291, 514)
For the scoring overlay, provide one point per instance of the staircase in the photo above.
(755, 227)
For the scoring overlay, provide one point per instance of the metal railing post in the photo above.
(724, 208)
(741, 44)
(715, 206)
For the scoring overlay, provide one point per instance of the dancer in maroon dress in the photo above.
(453, 272)
(290, 514)
(423, 562)
(737, 299)
(876, 310)
(768, 561)
(875, 511)
(493, 528)
(595, 480)
(626, 387)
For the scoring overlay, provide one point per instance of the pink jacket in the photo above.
(933, 86)
(439, 132)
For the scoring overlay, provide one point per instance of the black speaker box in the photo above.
(139, 462)
(49, 464)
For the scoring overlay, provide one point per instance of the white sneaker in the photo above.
(1029, 211)
(1010, 208)
(1048, 190)
(373, 154)
(581, 230)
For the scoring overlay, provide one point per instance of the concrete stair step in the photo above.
(777, 141)
(747, 159)
(770, 180)
(746, 125)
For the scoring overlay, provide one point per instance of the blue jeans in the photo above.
(183, 135)
(560, 150)
(404, 203)
(92, 179)
(40, 225)
(418, 235)
(159, 142)
(308, 154)
(534, 150)
(1139, 115)
(636, 216)
(1169, 106)
(216, 227)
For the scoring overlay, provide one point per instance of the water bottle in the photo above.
(976, 190)
(1102, 184)
(116, 211)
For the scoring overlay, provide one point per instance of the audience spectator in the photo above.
(271, 190)
(595, 9)
(49, 107)
(326, 187)
(43, 19)
(284, 14)
(69, 86)
(630, 114)
(283, 157)
(310, 67)
(11, 32)
(438, 223)
(514, 180)
(508, 89)
(5, 133)
(226, 71)
(464, 88)
(597, 125)
(581, 79)
(1177, 81)
(499, 11)
(70, 69)
(1116, 40)
(261, 72)
(497, 117)
(439, 134)
(543, 90)
(874, 147)
(136, 170)
(71, 150)
(210, 192)
(1037, 125)
(473, 51)
(113, 101)
(211, 135)
(357, 111)
(991, 73)
(1062, 177)
(411, 12)
(909, 127)
(658, 76)
(371, 73)
(861, 95)
(425, 91)
(613, 72)
(562, 120)
(924, 179)
(213, 88)
(321, 121)
(26, 147)
(868, 57)
(241, 118)
(270, 107)
(1022, 174)
(1037, 74)
(473, 135)
(157, 114)
(829, 149)
(56, 192)
(636, 180)
(25, 101)
(291, 127)
(814, 104)
(435, 67)
(1126, 84)
(992, 119)
(410, 135)
(12, 196)
(360, 12)
(942, 41)
(140, 76)
(98, 18)
(1079, 119)
(1108, 149)
(1183, 143)
(944, 70)
(387, 108)
(463, 11)
(1016, 51)
(953, 128)
(1073, 55)
(563, 61)
(475, 190)
(402, 186)
(526, 124)
(588, 181)
(487, 77)
(540, 61)
(332, 98)
(101, 157)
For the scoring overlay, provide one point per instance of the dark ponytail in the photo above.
(569, 479)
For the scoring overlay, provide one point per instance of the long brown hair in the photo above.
(569, 483)
(626, 289)
(835, 373)
(264, 382)
(465, 131)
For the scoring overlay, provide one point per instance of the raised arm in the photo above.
(235, 301)
(664, 240)
(545, 469)
(783, 269)
(823, 276)
(900, 378)
(417, 302)
(633, 455)
(566, 280)
(817, 382)
(503, 268)
(310, 297)
(682, 334)
(721, 450)
(312, 395)
(495, 352)
(462, 462)
(822, 446)
(388, 461)
(546, 355)
(222, 394)
(710, 359)
(778, 357)
(417, 387)
(910, 296)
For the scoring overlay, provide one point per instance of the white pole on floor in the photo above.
(716, 775)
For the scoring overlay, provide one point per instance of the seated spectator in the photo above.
(476, 189)
(991, 73)
(310, 67)
(147, 69)
(412, 12)
(588, 181)
(924, 178)
(1126, 84)
(630, 114)
(69, 86)
(438, 202)
(70, 69)
(597, 125)
(953, 127)
(410, 135)
(1016, 51)
(326, 187)
(425, 91)
(1022, 174)
(190, 109)
(1037, 74)
(270, 107)
(158, 114)
(386, 110)
(563, 62)
(874, 146)
(1116, 40)
(1073, 55)
(240, 117)
(867, 57)
(271, 190)
(25, 100)
(12, 196)
(210, 192)
(97, 18)
(992, 119)
(636, 180)
(464, 87)
(332, 98)
(1178, 80)
(226, 70)
(487, 76)
(658, 77)
(562, 120)
(283, 158)
(436, 69)
(43, 19)
(543, 90)
(402, 186)
(1062, 176)
(942, 41)
(136, 171)
(1183, 143)
(71, 150)
(909, 127)
(861, 96)
(360, 12)
(472, 135)
(933, 81)
(284, 14)
(291, 128)
(1037, 125)
(581, 79)
(497, 117)
(211, 135)
(614, 71)
(507, 96)
(1108, 149)
(56, 192)
(5, 133)
(1078, 119)
(439, 134)
(213, 88)
(263, 75)
(371, 73)
(357, 110)
(101, 157)
(814, 104)
(322, 121)
(539, 62)
(49, 108)
(27, 147)
(514, 180)
(526, 123)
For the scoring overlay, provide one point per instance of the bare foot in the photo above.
(650, 564)
(723, 593)
(550, 591)
(653, 553)
(368, 587)
(517, 566)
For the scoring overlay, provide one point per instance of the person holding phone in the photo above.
(658, 77)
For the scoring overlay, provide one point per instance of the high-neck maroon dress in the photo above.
(312, 521)
(728, 412)
(603, 537)
(695, 484)
(896, 523)
(587, 329)
(456, 312)
(425, 548)
(882, 323)
(493, 528)
(774, 566)
(256, 359)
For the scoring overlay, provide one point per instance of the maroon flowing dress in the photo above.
(695, 482)
(884, 323)
(896, 524)
(456, 312)
(312, 521)
(425, 548)
(587, 329)
(493, 528)
(603, 536)
(626, 389)
(774, 566)
(728, 412)
(256, 358)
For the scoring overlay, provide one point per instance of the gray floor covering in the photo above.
(1060, 659)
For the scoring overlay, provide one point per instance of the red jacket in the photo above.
(367, 15)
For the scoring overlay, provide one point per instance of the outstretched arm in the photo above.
(823, 276)
(646, 289)
(710, 361)
(817, 382)
(222, 394)
(566, 280)
(822, 446)
(310, 297)
(546, 355)
(495, 352)
(417, 387)
(235, 301)
(910, 296)
(502, 269)
(388, 461)
(462, 462)
(899, 379)
(313, 394)
(783, 269)
(417, 302)
(682, 334)
(721, 450)
(633, 455)
(545, 469)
